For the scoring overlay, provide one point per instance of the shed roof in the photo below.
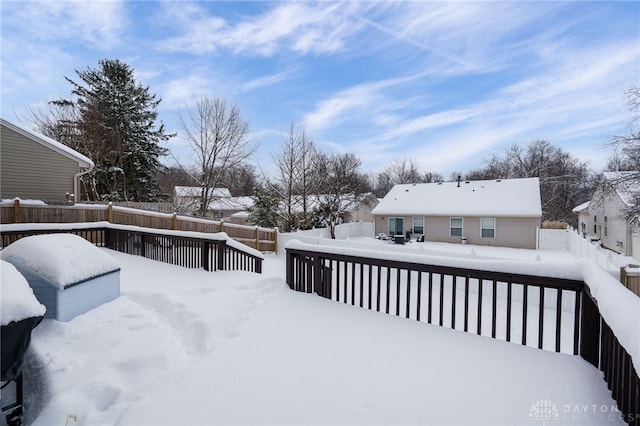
(196, 191)
(83, 161)
(499, 198)
(581, 208)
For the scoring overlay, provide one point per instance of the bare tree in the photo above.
(626, 154)
(344, 186)
(400, 172)
(220, 140)
(565, 181)
(297, 178)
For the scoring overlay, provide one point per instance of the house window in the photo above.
(605, 227)
(455, 225)
(595, 226)
(488, 227)
(396, 226)
(418, 225)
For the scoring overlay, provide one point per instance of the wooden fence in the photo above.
(548, 313)
(262, 239)
(188, 251)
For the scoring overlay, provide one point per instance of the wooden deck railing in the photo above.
(547, 313)
(207, 252)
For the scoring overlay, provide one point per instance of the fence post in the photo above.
(16, 210)
(275, 240)
(589, 329)
(257, 238)
(222, 249)
(222, 226)
(174, 221)
(110, 212)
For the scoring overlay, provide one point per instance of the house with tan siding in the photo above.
(33, 166)
(502, 212)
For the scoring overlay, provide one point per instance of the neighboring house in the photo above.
(354, 209)
(583, 217)
(187, 198)
(503, 212)
(226, 207)
(605, 217)
(33, 166)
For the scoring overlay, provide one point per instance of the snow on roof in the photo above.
(17, 301)
(54, 145)
(196, 191)
(63, 259)
(502, 197)
(241, 215)
(626, 185)
(582, 207)
(231, 203)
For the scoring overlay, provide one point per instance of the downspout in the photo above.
(76, 179)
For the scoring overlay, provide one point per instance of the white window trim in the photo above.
(461, 227)
(413, 225)
(495, 226)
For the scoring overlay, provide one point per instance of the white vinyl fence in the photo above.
(315, 236)
(582, 248)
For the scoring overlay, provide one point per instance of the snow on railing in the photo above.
(183, 248)
(581, 248)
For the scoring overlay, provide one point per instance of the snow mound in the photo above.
(63, 259)
(17, 301)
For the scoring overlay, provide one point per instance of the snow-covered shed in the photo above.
(501, 212)
(68, 275)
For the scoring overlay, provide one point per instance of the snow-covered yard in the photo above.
(184, 347)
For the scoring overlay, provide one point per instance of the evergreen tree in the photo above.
(263, 213)
(116, 122)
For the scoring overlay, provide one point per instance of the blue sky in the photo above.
(446, 84)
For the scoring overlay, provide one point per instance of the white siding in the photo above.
(612, 232)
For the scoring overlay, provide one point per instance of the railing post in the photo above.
(110, 212)
(589, 329)
(222, 251)
(289, 272)
(107, 238)
(318, 286)
(204, 251)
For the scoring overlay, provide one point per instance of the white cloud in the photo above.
(98, 23)
(267, 80)
(296, 26)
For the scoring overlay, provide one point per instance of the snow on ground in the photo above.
(191, 347)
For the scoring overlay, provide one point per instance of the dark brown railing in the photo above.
(187, 251)
(548, 313)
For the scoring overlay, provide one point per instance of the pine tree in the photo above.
(263, 213)
(117, 124)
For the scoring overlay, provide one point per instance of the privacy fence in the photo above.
(262, 239)
(188, 249)
(556, 314)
